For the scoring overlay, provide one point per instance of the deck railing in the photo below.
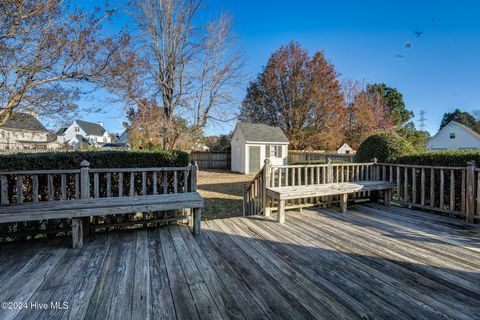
(22, 186)
(451, 190)
(298, 175)
(36, 186)
(254, 195)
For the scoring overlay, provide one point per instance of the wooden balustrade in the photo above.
(22, 186)
(451, 190)
(298, 175)
(254, 195)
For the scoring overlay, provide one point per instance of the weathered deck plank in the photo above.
(373, 262)
(397, 273)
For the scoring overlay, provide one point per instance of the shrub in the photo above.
(457, 158)
(97, 159)
(383, 146)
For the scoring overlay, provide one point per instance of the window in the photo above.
(452, 135)
(77, 129)
(275, 151)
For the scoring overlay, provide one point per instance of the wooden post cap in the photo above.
(84, 163)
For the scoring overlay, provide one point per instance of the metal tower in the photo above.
(422, 120)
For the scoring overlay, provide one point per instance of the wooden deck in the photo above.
(373, 262)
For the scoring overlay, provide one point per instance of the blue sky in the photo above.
(361, 38)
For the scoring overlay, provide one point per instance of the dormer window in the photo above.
(77, 129)
(452, 135)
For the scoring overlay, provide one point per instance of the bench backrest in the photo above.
(85, 182)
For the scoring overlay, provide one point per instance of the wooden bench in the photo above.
(282, 194)
(91, 204)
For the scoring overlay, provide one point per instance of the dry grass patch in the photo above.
(223, 193)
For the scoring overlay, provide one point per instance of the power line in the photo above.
(422, 120)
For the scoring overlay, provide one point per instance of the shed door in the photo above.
(236, 158)
(253, 159)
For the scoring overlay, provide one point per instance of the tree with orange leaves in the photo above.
(367, 113)
(299, 94)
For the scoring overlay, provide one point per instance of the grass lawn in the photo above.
(223, 193)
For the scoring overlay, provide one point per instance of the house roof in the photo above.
(468, 129)
(261, 132)
(344, 144)
(90, 128)
(61, 131)
(80, 139)
(23, 121)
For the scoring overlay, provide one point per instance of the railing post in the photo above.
(374, 195)
(244, 200)
(84, 179)
(196, 213)
(78, 223)
(329, 179)
(193, 176)
(470, 190)
(267, 169)
(329, 171)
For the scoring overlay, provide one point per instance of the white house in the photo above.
(253, 143)
(83, 132)
(454, 136)
(23, 131)
(345, 149)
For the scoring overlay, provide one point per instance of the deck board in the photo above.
(374, 262)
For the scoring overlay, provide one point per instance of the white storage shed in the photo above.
(252, 143)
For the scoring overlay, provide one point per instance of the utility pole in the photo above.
(422, 120)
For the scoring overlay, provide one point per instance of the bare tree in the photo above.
(46, 46)
(189, 68)
(221, 64)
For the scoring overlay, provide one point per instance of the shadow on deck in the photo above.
(373, 262)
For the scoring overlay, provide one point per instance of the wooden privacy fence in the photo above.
(295, 156)
(452, 190)
(211, 160)
(254, 197)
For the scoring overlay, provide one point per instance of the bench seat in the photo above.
(76, 209)
(281, 194)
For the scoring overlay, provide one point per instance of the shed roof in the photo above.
(23, 121)
(261, 132)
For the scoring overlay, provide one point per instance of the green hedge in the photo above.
(383, 146)
(441, 158)
(97, 159)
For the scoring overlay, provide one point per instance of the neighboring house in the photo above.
(123, 138)
(454, 136)
(23, 132)
(253, 143)
(115, 137)
(82, 132)
(345, 149)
